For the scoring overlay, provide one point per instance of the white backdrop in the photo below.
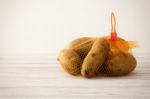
(46, 26)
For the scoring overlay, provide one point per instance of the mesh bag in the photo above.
(78, 58)
(118, 44)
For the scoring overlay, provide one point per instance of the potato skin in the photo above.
(95, 58)
(77, 42)
(82, 45)
(119, 64)
(70, 61)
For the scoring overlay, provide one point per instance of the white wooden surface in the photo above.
(42, 78)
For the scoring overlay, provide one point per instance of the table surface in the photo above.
(42, 78)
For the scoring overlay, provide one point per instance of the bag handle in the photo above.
(113, 35)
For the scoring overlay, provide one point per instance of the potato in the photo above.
(70, 61)
(120, 64)
(95, 58)
(82, 45)
(77, 42)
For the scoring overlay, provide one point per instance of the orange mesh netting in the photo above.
(117, 43)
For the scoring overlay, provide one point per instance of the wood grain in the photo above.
(43, 78)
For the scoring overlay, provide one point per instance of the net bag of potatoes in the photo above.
(95, 56)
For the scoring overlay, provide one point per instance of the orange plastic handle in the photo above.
(113, 34)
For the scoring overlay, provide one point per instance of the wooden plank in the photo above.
(43, 78)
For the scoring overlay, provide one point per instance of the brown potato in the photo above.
(95, 58)
(120, 64)
(82, 45)
(70, 61)
(77, 42)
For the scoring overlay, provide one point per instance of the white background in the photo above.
(46, 26)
